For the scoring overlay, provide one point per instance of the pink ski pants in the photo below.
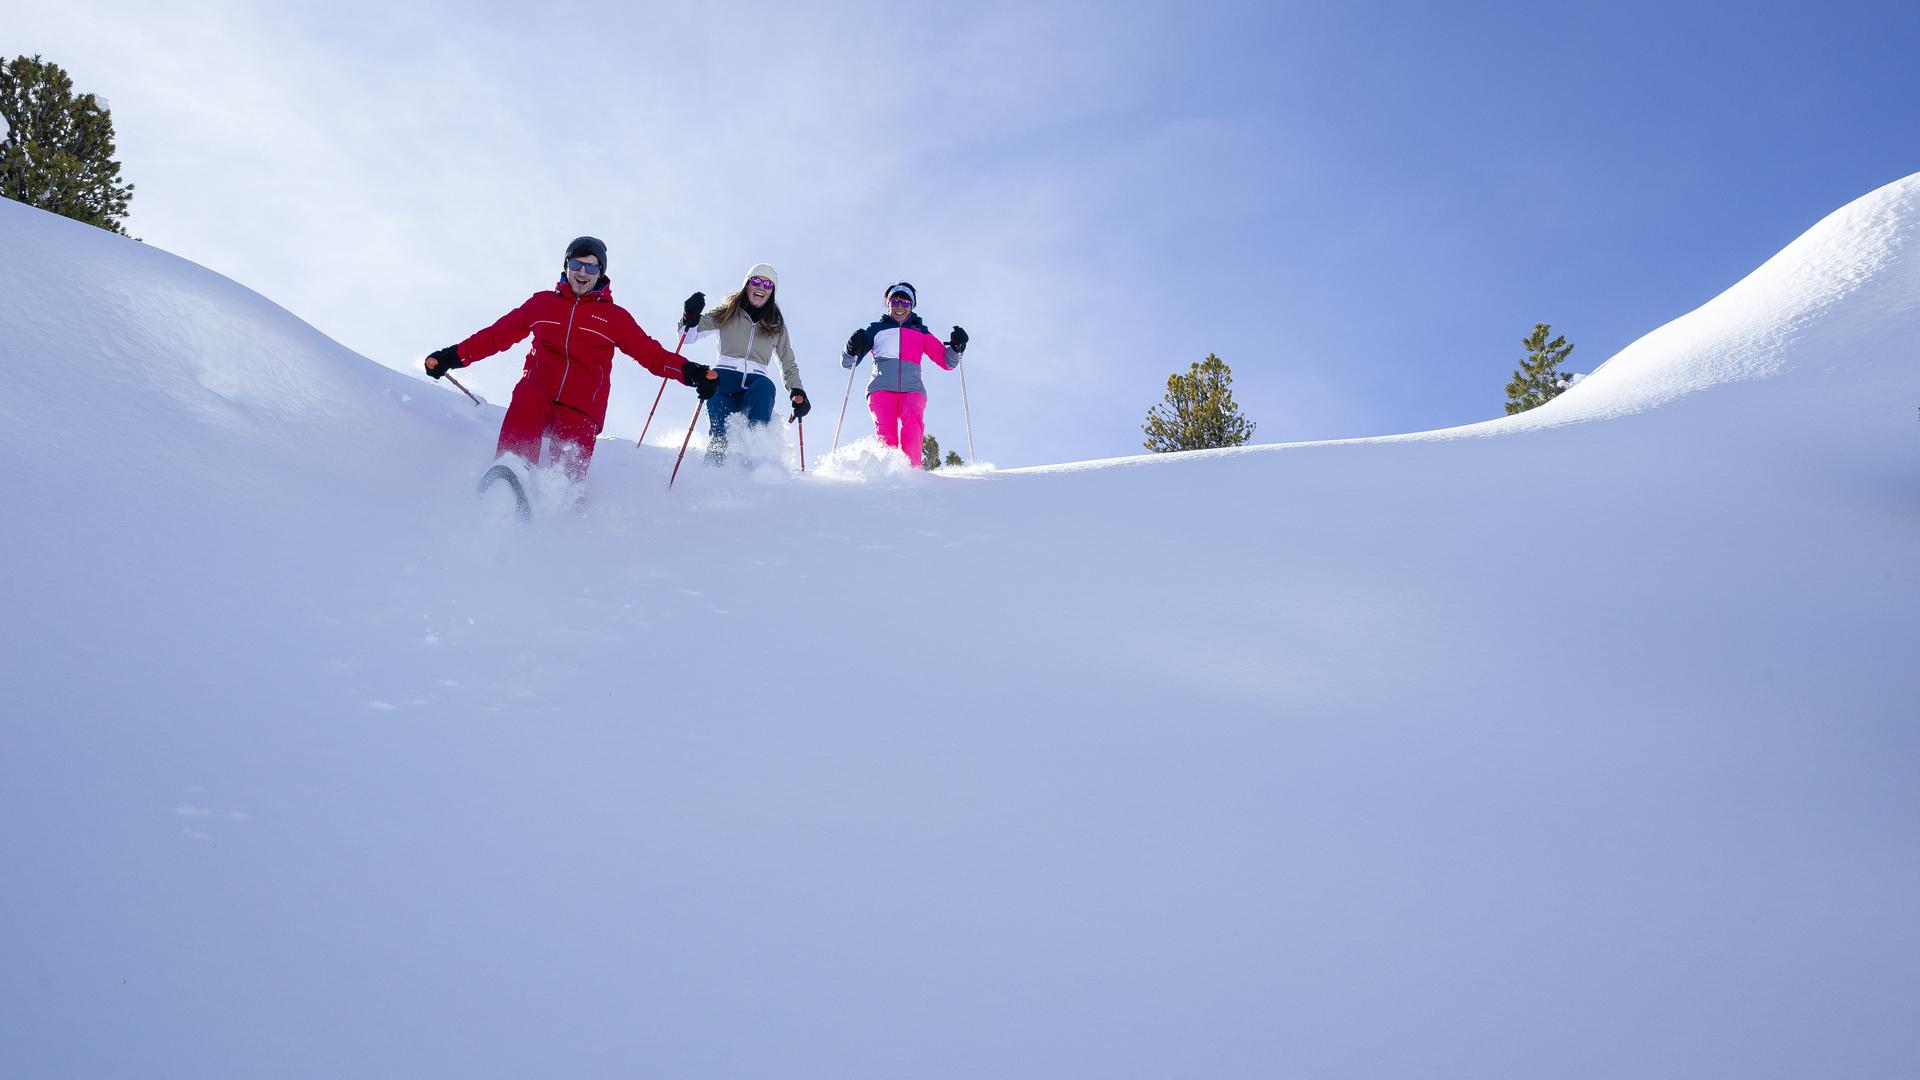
(901, 420)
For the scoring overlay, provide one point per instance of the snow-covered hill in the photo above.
(1584, 748)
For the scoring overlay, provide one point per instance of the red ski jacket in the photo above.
(573, 342)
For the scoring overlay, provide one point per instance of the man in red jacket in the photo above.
(562, 396)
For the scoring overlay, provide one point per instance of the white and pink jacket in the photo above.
(897, 353)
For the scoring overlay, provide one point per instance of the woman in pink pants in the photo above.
(899, 341)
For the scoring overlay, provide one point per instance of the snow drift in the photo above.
(1580, 747)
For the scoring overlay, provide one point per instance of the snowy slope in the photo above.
(1830, 318)
(1584, 748)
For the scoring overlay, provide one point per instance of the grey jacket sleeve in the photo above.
(789, 370)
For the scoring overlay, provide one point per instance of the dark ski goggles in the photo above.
(591, 269)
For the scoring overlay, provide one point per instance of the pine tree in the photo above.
(1198, 412)
(58, 150)
(953, 458)
(1537, 381)
(929, 453)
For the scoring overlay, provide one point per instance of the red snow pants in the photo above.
(533, 418)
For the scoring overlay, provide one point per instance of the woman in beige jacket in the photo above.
(751, 332)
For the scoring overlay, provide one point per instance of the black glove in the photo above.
(697, 375)
(448, 359)
(859, 344)
(958, 340)
(801, 406)
(690, 311)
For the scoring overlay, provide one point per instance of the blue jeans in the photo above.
(755, 397)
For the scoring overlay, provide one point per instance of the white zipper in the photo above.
(566, 350)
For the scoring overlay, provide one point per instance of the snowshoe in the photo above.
(505, 476)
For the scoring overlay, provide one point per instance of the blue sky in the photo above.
(1361, 207)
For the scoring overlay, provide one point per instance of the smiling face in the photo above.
(583, 274)
(759, 291)
(900, 306)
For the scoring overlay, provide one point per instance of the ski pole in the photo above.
(803, 442)
(683, 443)
(642, 440)
(967, 411)
(456, 384)
(843, 406)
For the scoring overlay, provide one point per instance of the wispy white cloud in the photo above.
(400, 176)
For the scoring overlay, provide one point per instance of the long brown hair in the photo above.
(769, 321)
